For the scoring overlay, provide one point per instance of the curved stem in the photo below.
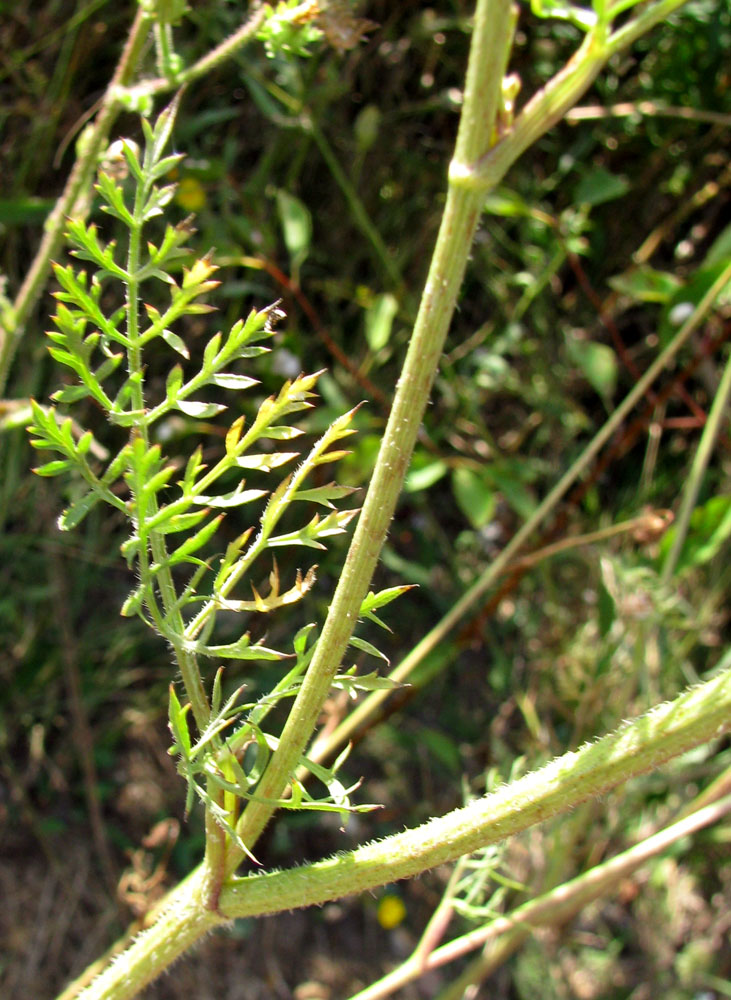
(693, 718)
(696, 716)
(477, 166)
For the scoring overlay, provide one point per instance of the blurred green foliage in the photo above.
(320, 181)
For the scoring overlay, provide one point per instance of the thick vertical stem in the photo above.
(489, 52)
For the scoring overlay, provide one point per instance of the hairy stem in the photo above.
(550, 103)
(693, 718)
(477, 165)
(489, 52)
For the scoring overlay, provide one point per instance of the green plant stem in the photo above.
(696, 716)
(488, 61)
(174, 625)
(489, 52)
(551, 909)
(177, 928)
(210, 61)
(550, 103)
(692, 719)
(77, 185)
(486, 579)
(164, 49)
(214, 864)
(697, 471)
(94, 139)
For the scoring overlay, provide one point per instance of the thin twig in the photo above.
(647, 108)
(78, 182)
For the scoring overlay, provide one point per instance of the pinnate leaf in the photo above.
(201, 411)
(367, 647)
(325, 494)
(75, 514)
(177, 343)
(53, 468)
(236, 498)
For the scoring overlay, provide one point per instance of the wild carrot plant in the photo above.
(175, 512)
(124, 308)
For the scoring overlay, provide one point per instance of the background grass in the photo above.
(321, 182)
